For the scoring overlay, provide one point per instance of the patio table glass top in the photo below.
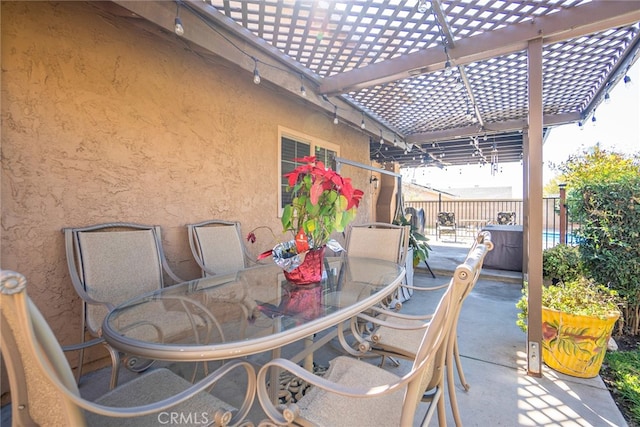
(255, 310)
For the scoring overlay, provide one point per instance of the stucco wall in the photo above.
(104, 121)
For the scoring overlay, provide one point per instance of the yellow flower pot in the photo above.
(575, 345)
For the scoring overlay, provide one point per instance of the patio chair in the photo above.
(354, 392)
(379, 240)
(109, 264)
(398, 335)
(446, 224)
(44, 392)
(506, 218)
(217, 246)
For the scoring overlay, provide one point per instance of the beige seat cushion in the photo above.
(151, 387)
(331, 409)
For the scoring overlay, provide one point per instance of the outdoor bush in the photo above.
(604, 199)
(561, 263)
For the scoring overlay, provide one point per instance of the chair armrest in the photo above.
(425, 288)
(170, 273)
(80, 346)
(400, 326)
(396, 315)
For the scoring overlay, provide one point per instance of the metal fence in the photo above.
(472, 214)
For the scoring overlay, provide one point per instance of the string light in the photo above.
(607, 98)
(177, 26)
(303, 91)
(494, 159)
(363, 125)
(424, 6)
(335, 115)
(447, 68)
(256, 74)
(627, 80)
(381, 138)
(459, 84)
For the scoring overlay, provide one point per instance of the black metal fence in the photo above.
(472, 214)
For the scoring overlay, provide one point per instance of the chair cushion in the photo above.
(221, 248)
(403, 342)
(447, 219)
(378, 243)
(116, 267)
(331, 409)
(153, 386)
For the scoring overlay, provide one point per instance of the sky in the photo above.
(617, 127)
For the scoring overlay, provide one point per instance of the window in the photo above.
(294, 145)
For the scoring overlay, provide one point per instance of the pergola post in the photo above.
(534, 209)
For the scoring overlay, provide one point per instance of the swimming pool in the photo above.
(551, 238)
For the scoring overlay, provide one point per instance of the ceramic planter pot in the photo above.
(575, 345)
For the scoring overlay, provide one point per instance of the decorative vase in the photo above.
(310, 271)
(575, 345)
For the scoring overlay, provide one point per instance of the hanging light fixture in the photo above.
(303, 91)
(447, 68)
(424, 6)
(627, 80)
(494, 159)
(363, 125)
(177, 23)
(381, 138)
(335, 115)
(459, 84)
(256, 73)
(607, 98)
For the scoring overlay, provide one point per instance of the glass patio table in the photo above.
(250, 312)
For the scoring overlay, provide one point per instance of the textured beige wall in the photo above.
(104, 121)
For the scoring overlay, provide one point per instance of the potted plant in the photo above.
(323, 202)
(578, 317)
(418, 243)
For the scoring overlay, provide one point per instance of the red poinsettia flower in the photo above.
(323, 202)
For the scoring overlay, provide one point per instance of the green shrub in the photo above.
(561, 263)
(604, 199)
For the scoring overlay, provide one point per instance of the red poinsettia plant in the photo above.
(323, 202)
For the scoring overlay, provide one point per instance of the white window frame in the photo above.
(305, 139)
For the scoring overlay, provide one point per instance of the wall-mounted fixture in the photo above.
(374, 180)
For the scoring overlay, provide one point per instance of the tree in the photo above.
(552, 187)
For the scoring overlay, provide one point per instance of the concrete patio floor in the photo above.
(493, 355)
(493, 352)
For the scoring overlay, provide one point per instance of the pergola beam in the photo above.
(499, 127)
